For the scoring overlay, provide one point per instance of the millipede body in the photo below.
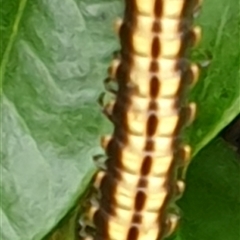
(145, 153)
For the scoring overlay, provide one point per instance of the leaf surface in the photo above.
(51, 70)
(218, 92)
(54, 57)
(211, 203)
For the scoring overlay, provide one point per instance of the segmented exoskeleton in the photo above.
(141, 181)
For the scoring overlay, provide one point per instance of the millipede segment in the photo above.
(137, 191)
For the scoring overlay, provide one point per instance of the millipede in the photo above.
(136, 190)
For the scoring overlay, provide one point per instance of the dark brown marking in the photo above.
(149, 146)
(152, 124)
(152, 105)
(155, 47)
(156, 27)
(140, 201)
(137, 218)
(154, 67)
(114, 154)
(125, 36)
(130, 11)
(108, 189)
(101, 220)
(146, 166)
(142, 182)
(158, 8)
(154, 87)
(119, 114)
(133, 233)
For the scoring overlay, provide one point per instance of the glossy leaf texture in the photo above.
(211, 203)
(54, 57)
(217, 93)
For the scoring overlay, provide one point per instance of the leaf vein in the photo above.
(15, 28)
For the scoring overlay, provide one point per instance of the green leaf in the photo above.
(67, 229)
(54, 57)
(211, 203)
(218, 92)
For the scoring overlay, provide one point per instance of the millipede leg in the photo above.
(172, 223)
(100, 175)
(106, 107)
(118, 25)
(101, 99)
(197, 8)
(113, 68)
(99, 161)
(105, 141)
(180, 187)
(197, 32)
(111, 85)
(192, 107)
(87, 238)
(85, 223)
(185, 155)
(195, 74)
